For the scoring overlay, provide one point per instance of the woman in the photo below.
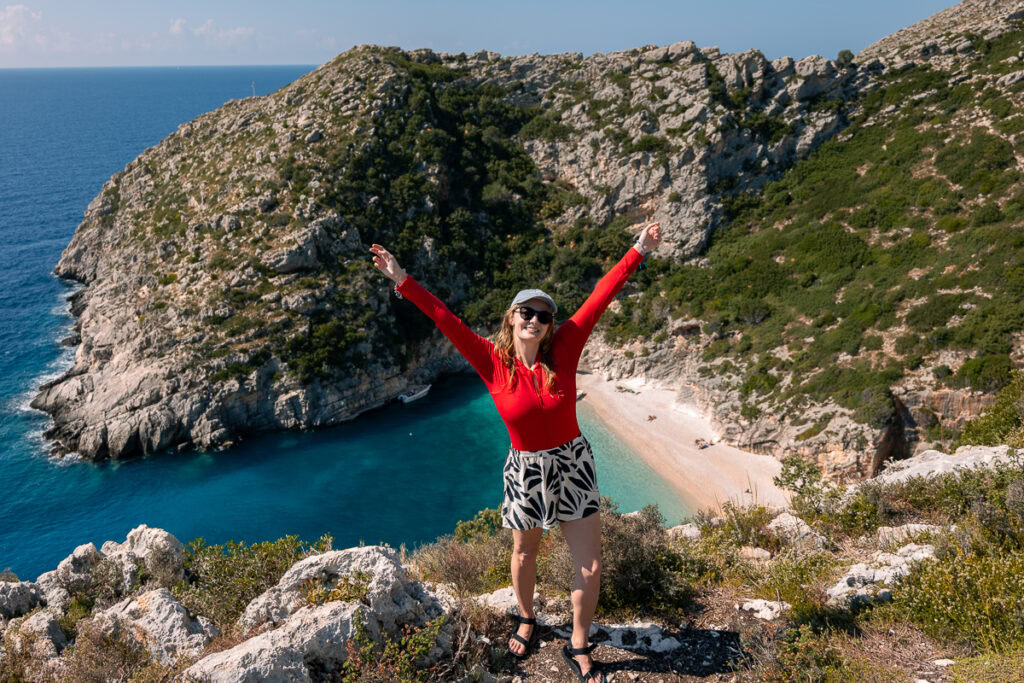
(530, 370)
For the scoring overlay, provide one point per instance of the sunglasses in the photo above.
(543, 317)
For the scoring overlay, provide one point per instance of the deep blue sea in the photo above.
(401, 474)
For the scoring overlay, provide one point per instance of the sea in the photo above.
(402, 474)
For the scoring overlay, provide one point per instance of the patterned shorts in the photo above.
(543, 488)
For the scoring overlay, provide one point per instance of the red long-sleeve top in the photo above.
(536, 418)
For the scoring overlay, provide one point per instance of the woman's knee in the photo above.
(524, 555)
(525, 547)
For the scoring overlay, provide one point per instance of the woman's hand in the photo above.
(387, 264)
(650, 237)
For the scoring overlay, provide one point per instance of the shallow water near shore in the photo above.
(402, 474)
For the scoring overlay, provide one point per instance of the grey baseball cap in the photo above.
(525, 295)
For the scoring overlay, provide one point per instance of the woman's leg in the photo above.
(524, 579)
(584, 539)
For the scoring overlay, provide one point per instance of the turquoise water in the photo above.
(402, 474)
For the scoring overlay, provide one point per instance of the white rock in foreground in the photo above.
(160, 623)
(767, 610)
(309, 640)
(313, 635)
(18, 598)
(160, 552)
(688, 531)
(933, 463)
(40, 634)
(796, 531)
(864, 583)
(900, 534)
(393, 599)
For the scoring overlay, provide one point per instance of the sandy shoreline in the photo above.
(704, 478)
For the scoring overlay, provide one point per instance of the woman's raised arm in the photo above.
(474, 348)
(576, 330)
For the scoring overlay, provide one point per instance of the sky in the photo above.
(62, 33)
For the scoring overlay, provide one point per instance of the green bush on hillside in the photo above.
(220, 580)
(1003, 422)
(968, 598)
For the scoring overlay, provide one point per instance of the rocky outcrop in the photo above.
(116, 564)
(297, 630)
(392, 598)
(18, 598)
(765, 610)
(796, 532)
(945, 37)
(158, 622)
(931, 463)
(309, 637)
(872, 581)
(38, 635)
(313, 636)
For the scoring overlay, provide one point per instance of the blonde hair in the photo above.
(504, 343)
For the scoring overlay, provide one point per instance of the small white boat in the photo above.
(414, 392)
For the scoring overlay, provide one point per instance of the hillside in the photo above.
(843, 244)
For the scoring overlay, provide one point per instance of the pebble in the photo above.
(943, 662)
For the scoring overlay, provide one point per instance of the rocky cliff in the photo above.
(227, 288)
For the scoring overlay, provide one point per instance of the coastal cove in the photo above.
(401, 474)
(69, 130)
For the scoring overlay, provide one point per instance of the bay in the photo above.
(402, 474)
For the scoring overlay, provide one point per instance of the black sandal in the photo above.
(595, 673)
(532, 621)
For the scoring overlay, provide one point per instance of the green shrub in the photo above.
(987, 373)
(401, 659)
(220, 580)
(7, 576)
(986, 214)
(640, 570)
(548, 127)
(344, 588)
(795, 579)
(485, 523)
(950, 223)
(1003, 422)
(479, 564)
(968, 598)
(804, 655)
(744, 525)
(95, 656)
(80, 608)
(639, 566)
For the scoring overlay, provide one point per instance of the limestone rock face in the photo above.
(870, 582)
(155, 550)
(390, 595)
(39, 634)
(313, 635)
(796, 531)
(18, 598)
(931, 463)
(305, 637)
(160, 552)
(766, 610)
(688, 531)
(900, 534)
(74, 573)
(158, 621)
